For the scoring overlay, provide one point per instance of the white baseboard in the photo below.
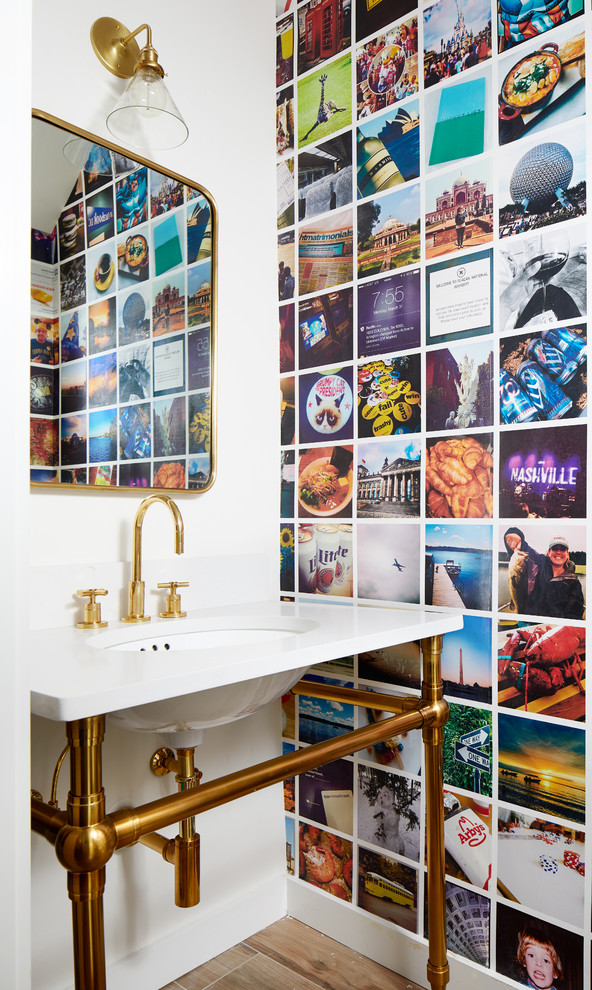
(385, 944)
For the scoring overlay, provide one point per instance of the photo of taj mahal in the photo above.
(459, 209)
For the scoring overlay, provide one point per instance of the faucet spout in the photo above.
(136, 585)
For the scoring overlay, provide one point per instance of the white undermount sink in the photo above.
(179, 676)
(182, 719)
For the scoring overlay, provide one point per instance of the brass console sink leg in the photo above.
(432, 691)
(86, 809)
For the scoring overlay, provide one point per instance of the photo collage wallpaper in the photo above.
(432, 310)
(120, 332)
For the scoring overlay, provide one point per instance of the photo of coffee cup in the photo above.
(104, 272)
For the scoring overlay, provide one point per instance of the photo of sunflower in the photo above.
(287, 558)
(199, 423)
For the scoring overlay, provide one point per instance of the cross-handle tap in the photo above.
(92, 608)
(136, 585)
(173, 599)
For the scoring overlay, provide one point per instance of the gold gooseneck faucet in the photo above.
(136, 585)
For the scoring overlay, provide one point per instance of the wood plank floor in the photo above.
(290, 956)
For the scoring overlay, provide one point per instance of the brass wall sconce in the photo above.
(145, 116)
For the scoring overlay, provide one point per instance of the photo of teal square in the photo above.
(167, 246)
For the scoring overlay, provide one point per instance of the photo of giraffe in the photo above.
(325, 101)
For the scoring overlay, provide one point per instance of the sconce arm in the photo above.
(115, 46)
(132, 34)
(148, 57)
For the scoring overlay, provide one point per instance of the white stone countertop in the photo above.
(79, 673)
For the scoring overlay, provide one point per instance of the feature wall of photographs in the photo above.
(432, 304)
(121, 330)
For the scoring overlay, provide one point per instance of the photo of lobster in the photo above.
(541, 668)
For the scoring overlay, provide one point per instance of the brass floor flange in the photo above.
(160, 761)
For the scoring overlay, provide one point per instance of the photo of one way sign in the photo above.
(474, 758)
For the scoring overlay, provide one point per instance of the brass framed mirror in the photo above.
(123, 318)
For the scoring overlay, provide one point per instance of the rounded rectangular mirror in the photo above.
(123, 318)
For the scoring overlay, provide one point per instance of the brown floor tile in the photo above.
(215, 969)
(322, 961)
(263, 973)
(291, 956)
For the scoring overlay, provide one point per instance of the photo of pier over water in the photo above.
(458, 566)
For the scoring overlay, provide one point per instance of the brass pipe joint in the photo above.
(83, 849)
(164, 761)
(182, 853)
(435, 713)
(160, 844)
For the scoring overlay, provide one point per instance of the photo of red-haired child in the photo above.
(539, 959)
(536, 953)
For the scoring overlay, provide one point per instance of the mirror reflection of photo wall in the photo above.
(122, 321)
(432, 302)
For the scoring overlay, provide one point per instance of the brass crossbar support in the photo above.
(86, 837)
(129, 826)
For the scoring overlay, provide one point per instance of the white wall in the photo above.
(220, 64)
(14, 701)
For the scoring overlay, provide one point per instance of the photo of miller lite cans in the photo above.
(542, 376)
(550, 400)
(551, 359)
(307, 561)
(327, 552)
(515, 405)
(572, 345)
(344, 563)
(325, 559)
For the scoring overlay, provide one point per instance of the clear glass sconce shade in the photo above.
(145, 116)
(97, 160)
